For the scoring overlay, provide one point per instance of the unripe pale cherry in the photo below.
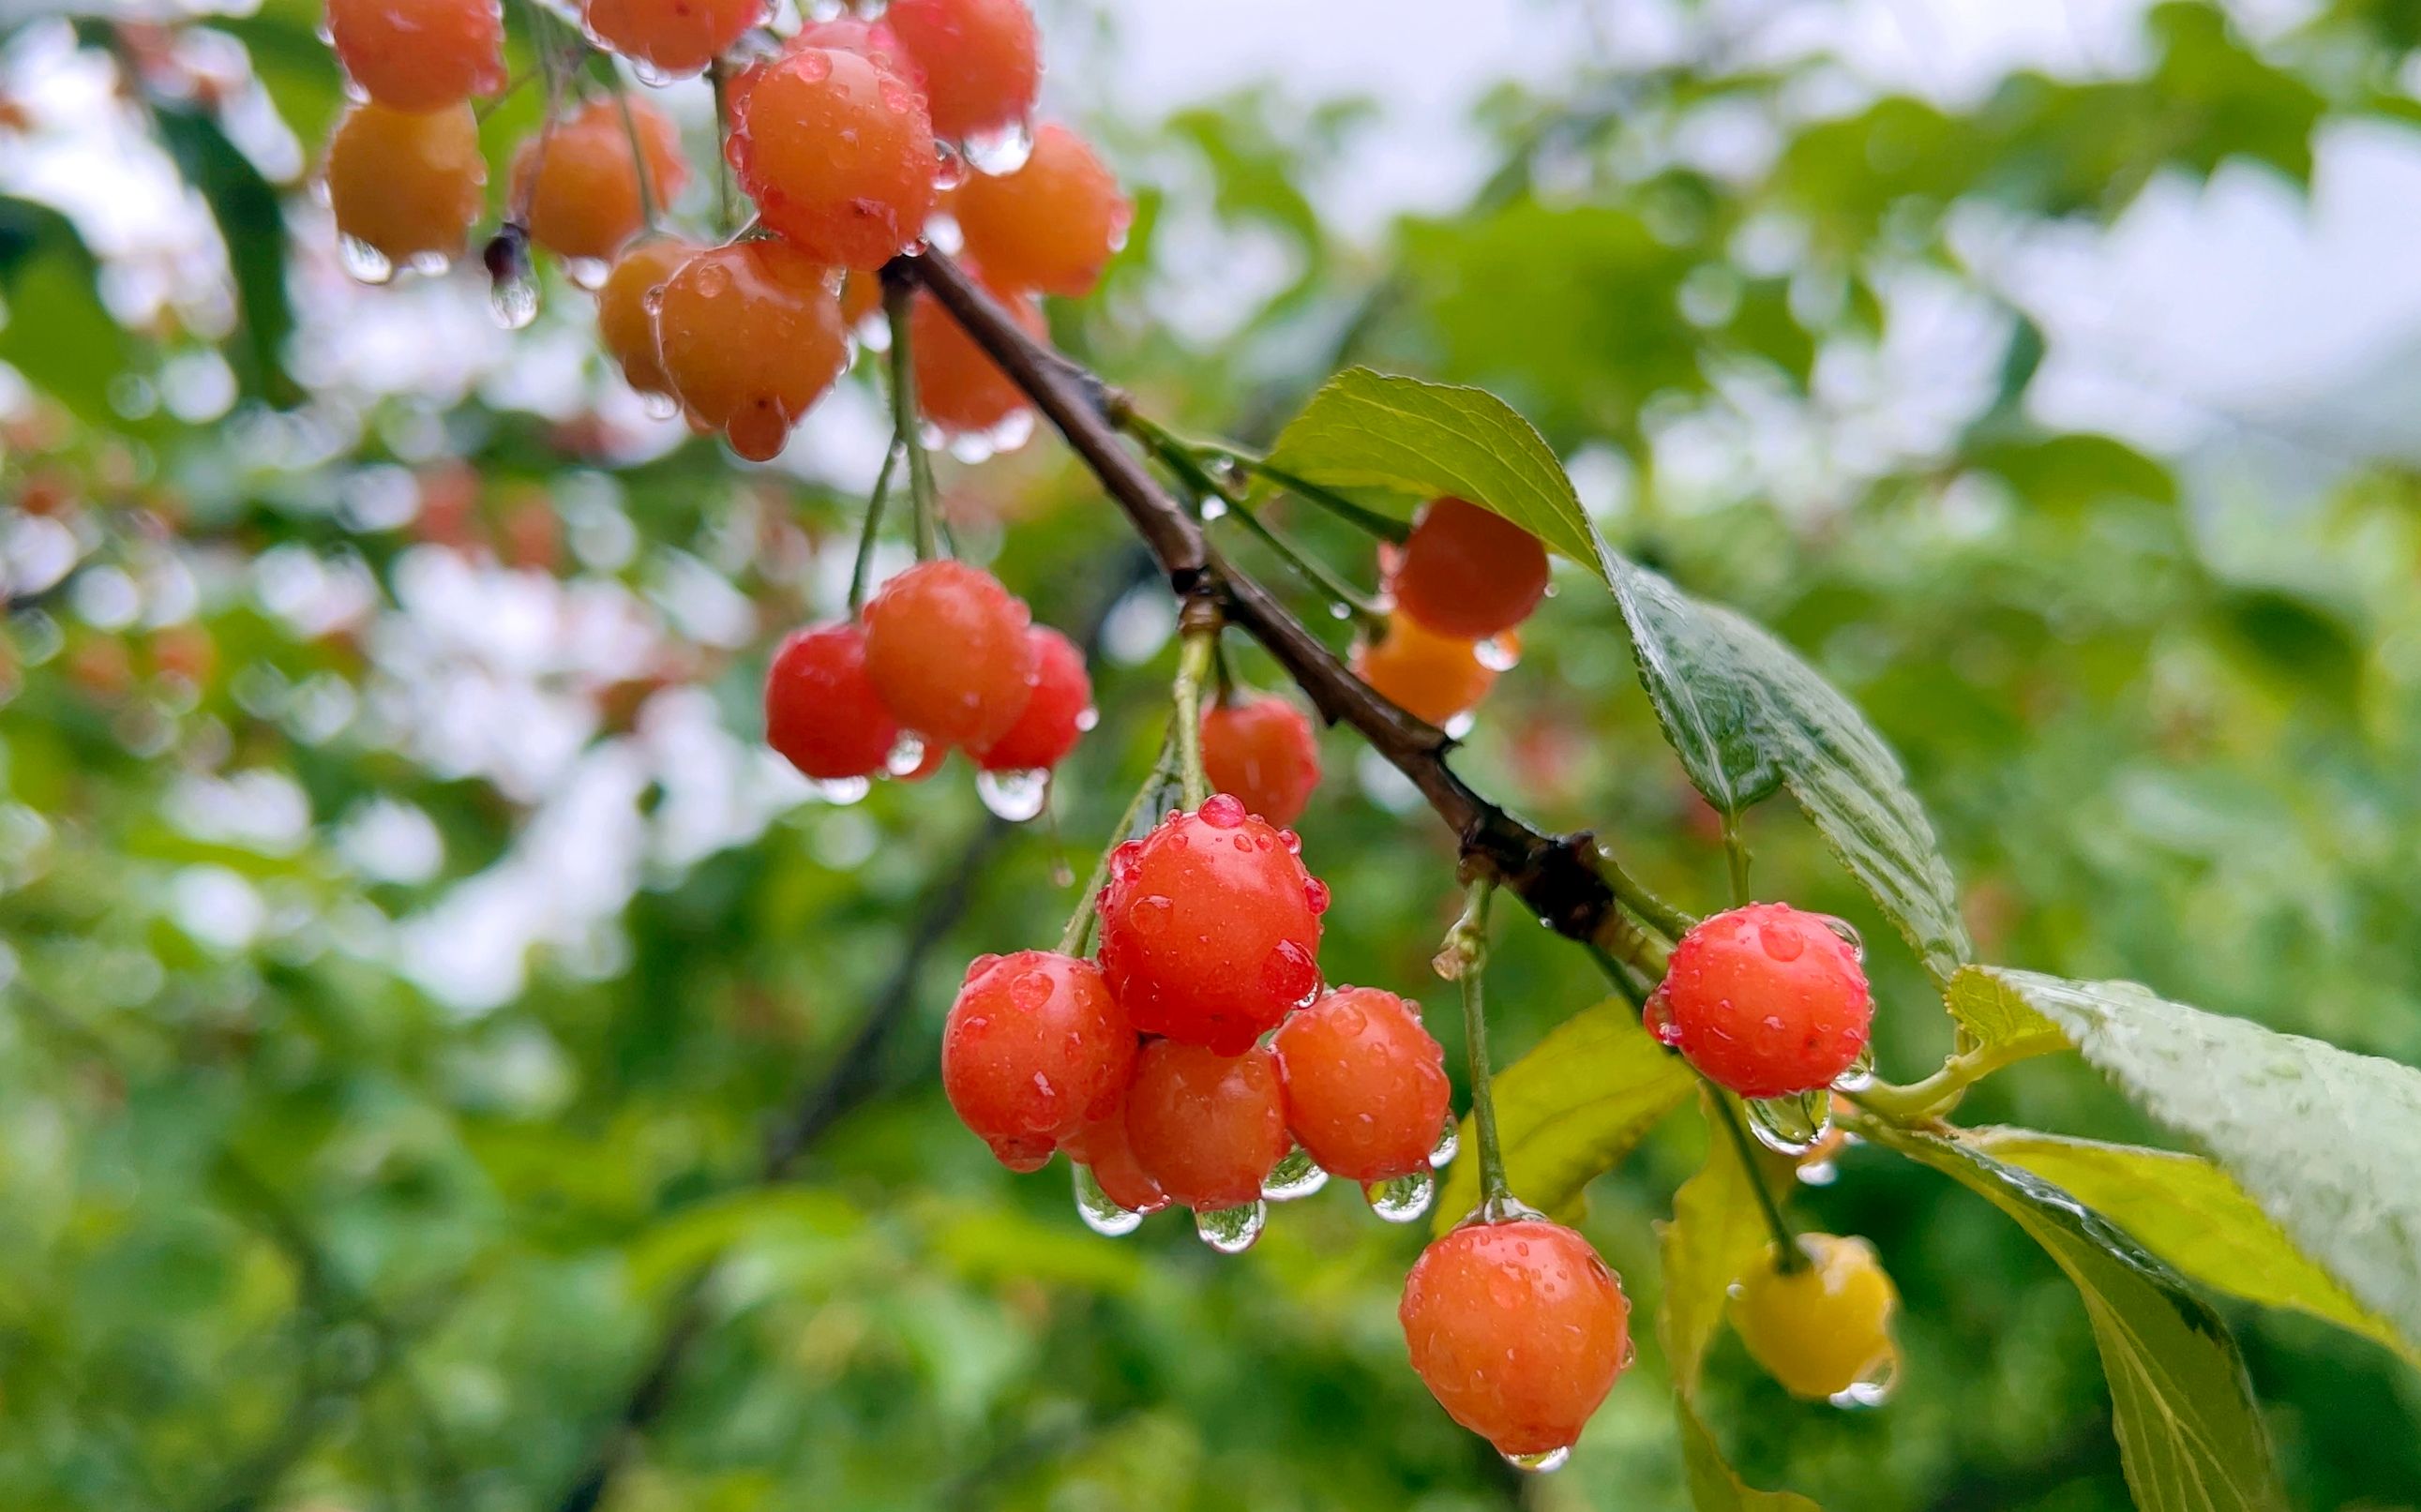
(1207, 1128)
(1261, 748)
(959, 387)
(1034, 1050)
(580, 180)
(1051, 225)
(626, 322)
(419, 55)
(1053, 718)
(1211, 927)
(1432, 677)
(1825, 1327)
(820, 709)
(982, 59)
(948, 648)
(750, 337)
(1519, 1330)
(1765, 1000)
(1102, 1148)
(672, 39)
(1469, 572)
(407, 185)
(1367, 1089)
(836, 152)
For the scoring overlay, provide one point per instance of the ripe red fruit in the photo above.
(1053, 717)
(959, 387)
(750, 337)
(836, 152)
(867, 38)
(1765, 1000)
(821, 709)
(982, 61)
(1210, 928)
(1052, 223)
(1101, 1148)
(420, 55)
(1468, 572)
(581, 179)
(1367, 1089)
(1262, 749)
(625, 326)
(1033, 1051)
(1208, 1127)
(1432, 676)
(1518, 1330)
(948, 648)
(407, 185)
(672, 39)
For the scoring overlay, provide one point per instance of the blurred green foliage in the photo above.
(280, 1228)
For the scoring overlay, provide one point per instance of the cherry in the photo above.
(1469, 572)
(1051, 225)
(1262, 749)
(1367, 1089)
(625, 326)
(750, 337)
(948, 648)
(1765, 1000)
(867, 38)
(821, 709)
(982, 61)
(1053, 717)
(407, 185)
(420, 55)
(1034, 1050)
(672, 39)
(1822, 1328)
(959, 387)
(1207, 1128)
(836, 152)
(1518, 1330)
(580, 180)
(1211, 927)
(1101, 1148)
(1432, 677)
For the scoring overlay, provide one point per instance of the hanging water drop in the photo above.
(1015, 796)
(659, 406)
(999, 151)
(1874, 1385)
(1449, 1143)
(588, 272)
(1792, 1125)
(1297, 1176)
(512, 282)
(1497, 653)
(1231, 1230)
(1401, 1199)
(1543, 1463)
(1849, 933)
(907, 755)
(1859, 1075)
(842, 791)
(1099, 1210)
(1214, 507)
(364, 262)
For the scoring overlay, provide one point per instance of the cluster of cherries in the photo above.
(853, 139)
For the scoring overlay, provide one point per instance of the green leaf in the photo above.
(2193, 1215)
(1714, 1486)
(1572, 1109)
(1366, 429)
(252, 226)
(1747, 716)
(1998, 1017)
(56, 331)
(2326, 1140)
(2190, 1436)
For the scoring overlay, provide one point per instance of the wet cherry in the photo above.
(1051, 225)
(1766, 1000)
(821, 709)
(420, 55)
(750, 337)
(982, 61)
(1261, 748)
(407, 185)
(1432, 676)
(1367, 1089)
(1053, 717)
(1207, 1128)
(1468, 572)
(1034, 1050)
(836, 152)
(581, 179)
(1102, 1148)
(672, 39)
(1825, 1327)
(626, 323)
(948, 648)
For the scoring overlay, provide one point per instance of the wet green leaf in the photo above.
(1998, 1017)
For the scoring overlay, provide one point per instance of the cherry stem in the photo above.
(1074, 939)
(859, 571)
(1736, 857)
(1642, 899)
(1788, 1256)
(639, 165)
(1198, 641)
(1370, 522)
(719, 80)
(895, 298)
(1467, 946)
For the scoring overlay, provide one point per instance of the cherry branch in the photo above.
(1558, 876)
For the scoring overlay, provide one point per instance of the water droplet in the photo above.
(1231, 1230)
(1449, 1144)
(1818, 1172)
(1214, 507)
(1859, 1075)
(1099, 1210)
(1151, 915)
(1314, 894)
(1792, 1125)
(1849, 933)
(973, 447)
(1497, 654)
(364, 262)
(1781, 943)
(1297, 1176)
(1873, 1387)
(1447, 962)
(1657, 1014)
(950, 169)
(1089, 719)
(843, 791)
(1223, 811)
(1401, 1199)
(1030, 993)
(1015, 796)
(588, 272)
(1000, 152)
(659, 406)
(1544, 1463)
(907, 755)
(514, 303)
(512, 281)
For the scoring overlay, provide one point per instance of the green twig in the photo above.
(1935, 1097)
(1198, 640)
(725, 217)
(1736, 858)
(1074, 939)
(1643, 901)
(1467, 949)
(1370, 522)
(1788, 1255)
(897, 300)
(859, 569)
(640, 167)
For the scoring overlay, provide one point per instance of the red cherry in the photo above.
(1262, 749)
(1101, 1148)
(581, 181)
(982, 61)
(1766, 1000)
(1052, 223)
(749, 337)
(867, 38)
(1518, 1330)
(1367, 1089)
(420, 55)
(1468, 572)
(1208, 1127)
(947, 649)
(1210, 928)
(836, 152)
(1033, 1051)
(671, 38)
(1053, 718)
(821, 711)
